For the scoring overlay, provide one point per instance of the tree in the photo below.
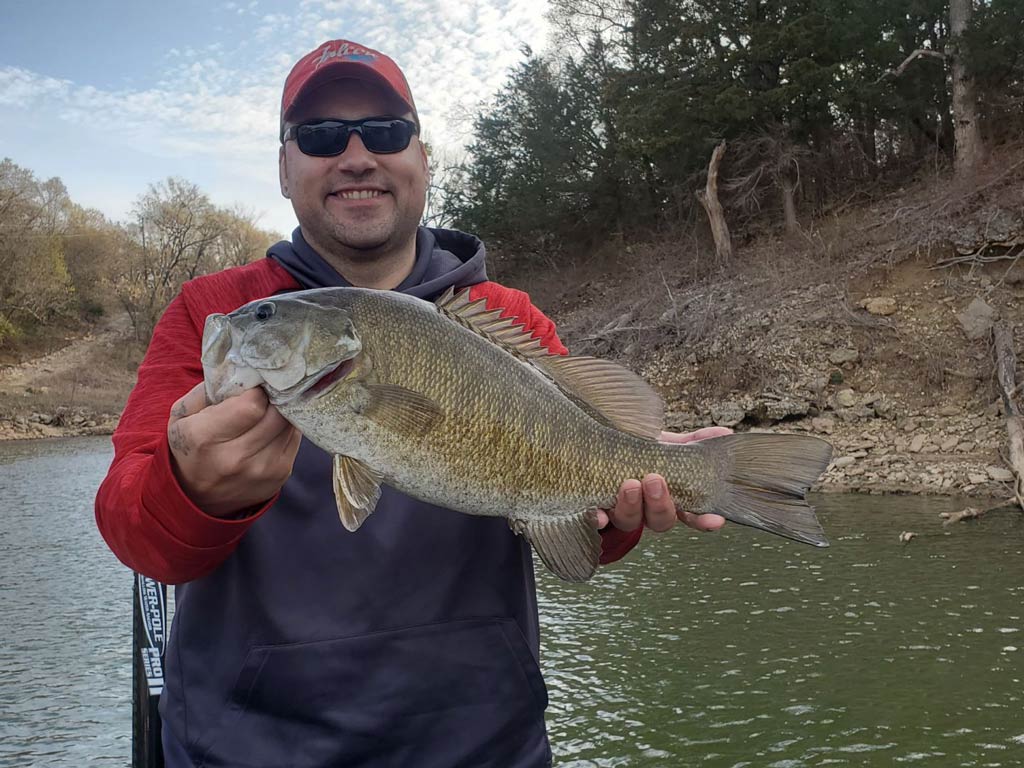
(173, 239)
(966, 124)
(36, 286)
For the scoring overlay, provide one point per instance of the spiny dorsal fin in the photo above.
(489, 323)
(607, 392)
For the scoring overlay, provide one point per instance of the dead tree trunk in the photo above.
(1006, 363)
(966, 128)
(788, 187)
(709, 199)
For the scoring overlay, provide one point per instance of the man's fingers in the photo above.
(271, 427)
(659, 509)
(692, 437)
(190, 403)
(236, 415)
(629, 506)
(702, 522)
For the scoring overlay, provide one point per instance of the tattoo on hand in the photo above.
(179, 411)
(177, 440)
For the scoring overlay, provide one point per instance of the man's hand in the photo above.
(232, 456)
(648, 502)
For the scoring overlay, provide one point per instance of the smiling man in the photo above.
(414, 642)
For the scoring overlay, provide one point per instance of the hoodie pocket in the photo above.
(458, 693)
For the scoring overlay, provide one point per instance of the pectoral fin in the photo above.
(401, 410)
(356, 489)
(570, 546)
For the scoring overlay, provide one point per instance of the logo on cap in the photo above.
(348, 52)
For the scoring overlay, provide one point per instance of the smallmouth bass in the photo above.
(454, 405)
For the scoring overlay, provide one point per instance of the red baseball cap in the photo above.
(336, 59)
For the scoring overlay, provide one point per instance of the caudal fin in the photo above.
(763, 482)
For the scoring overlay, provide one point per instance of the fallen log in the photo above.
(1006, 364)
(948, 518)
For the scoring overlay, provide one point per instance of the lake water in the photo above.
(729, 649)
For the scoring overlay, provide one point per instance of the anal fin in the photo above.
(569, 546)
(356, 489)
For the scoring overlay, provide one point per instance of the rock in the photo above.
(976, 478)
(949, 444)
(950, 410)
(917, 443)
(909, 425)
(846, 398)
(844, 461)
(999, 474)
(823, 424)
(727, 414)
(977, 319)
(879, 305)
(787, 407)
(929, 448)
(816, 385)
(856, 413)
(884, 408)
(840, 356)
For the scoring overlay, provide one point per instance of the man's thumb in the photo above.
(191, 402)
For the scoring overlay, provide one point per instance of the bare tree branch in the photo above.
(927, 52)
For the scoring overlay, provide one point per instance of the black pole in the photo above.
(149, 637)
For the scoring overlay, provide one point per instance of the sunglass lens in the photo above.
(322, 139)
(386, 136)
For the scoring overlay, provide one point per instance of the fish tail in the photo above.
(764, 479)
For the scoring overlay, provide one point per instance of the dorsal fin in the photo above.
(621, 398)
(607, 392)
(489, 323)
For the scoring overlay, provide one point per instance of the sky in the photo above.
(115, 95)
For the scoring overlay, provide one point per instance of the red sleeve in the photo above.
(615, 544)
(141, 511)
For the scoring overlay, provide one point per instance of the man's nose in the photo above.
(356, 158)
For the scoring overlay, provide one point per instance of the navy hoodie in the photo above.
(413, 642)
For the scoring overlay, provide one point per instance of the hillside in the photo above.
(852, 332)
(782, 338)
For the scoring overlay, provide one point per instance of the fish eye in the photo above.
(265, 311)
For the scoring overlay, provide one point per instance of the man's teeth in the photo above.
(359, 194)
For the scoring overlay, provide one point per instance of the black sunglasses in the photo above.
(327, 138)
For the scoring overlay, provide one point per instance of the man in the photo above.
(294, 643)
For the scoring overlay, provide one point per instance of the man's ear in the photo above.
(425, 160)
(282, 172)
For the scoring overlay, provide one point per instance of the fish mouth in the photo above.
(315, 386)
(332, 376)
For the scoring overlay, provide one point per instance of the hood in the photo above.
(445, 258)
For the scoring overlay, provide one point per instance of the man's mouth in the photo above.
(358, 194)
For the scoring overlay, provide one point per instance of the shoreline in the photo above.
(919, 454)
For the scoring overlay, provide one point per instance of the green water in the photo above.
(740, 649)
(728, 649)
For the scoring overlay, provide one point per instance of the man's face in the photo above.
(356, 205)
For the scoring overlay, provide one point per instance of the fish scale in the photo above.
(451, 405)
